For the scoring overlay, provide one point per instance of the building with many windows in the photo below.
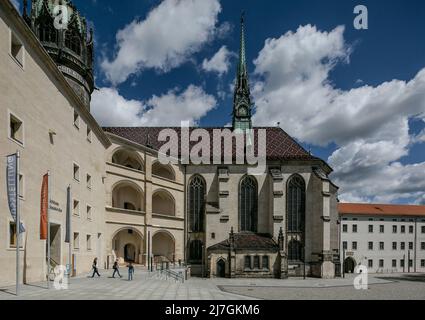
(384, 238)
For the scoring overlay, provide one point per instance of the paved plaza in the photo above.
(152, 286)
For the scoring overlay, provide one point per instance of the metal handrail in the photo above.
(177, 276)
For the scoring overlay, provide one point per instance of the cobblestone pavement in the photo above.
(150, 286)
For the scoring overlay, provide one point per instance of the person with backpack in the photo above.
(94, 266)
(116, 269)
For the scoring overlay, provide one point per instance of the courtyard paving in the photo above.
(151, 286)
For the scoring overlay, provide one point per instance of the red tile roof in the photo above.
(280, 146)
(380, 209)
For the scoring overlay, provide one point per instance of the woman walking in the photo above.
(94, 266)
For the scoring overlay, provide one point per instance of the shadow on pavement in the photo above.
(405, 277)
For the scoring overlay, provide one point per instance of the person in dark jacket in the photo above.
(130, 271)
(116, 269)
(94, 266)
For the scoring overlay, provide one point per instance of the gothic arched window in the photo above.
(294, 250)
(195, 250)
(73, 42)
(296, 204)
(248, 204)
(48, 33)
(196, 204)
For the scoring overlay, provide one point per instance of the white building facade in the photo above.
(384, 238)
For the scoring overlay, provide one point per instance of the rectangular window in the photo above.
(354, 228)
(17, 50)
(381, 229)
(410, 229)
(394, 263)
(354, 245)
(423, 263)
(88, 242)
(381, 246)
(402, 263)
(370, 228)
(370, 263)
(403, 229)
(265, 262)
(394, 229)
(370, 245)
(256, 262)
(21, 186)
(247, 263)
(88, 180)
(89, 213)
(12, 236)
(344, 228)
(394, 245)
(16, 129)
(423, 229)
(410, 245)
(76, 120)
(88, 134)
(344, 245)
(76, 208)
(76, 240)
(402, 245)
(212, 235)
(422, 245)
(76, 172)
(381, 263)
(410, 263)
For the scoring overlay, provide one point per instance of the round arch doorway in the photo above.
(127, 245)
(349, 265)
(221, 268)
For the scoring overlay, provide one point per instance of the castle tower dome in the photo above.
(70, 45)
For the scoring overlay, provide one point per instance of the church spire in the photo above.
(242, 99)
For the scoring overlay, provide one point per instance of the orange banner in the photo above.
(44, 207)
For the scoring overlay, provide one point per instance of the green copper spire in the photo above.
(242, 99)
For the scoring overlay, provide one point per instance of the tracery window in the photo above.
(248, 199)
(195, 250)
(295, 250)
(196, 204)
(296, 204)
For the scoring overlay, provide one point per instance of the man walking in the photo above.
(130, 271)
(95, 270)
(116, 269)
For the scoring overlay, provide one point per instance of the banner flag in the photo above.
(68, 215)
(12, 183)
(44, 207)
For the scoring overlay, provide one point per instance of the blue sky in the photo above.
(356, 98)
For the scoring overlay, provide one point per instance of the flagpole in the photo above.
(69, 235)
(17, 224)
(48, 230)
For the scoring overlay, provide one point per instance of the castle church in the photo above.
(217, 219)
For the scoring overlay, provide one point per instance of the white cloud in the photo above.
(369, 124)
(112, 109)
(218, 63)
(164, 40)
